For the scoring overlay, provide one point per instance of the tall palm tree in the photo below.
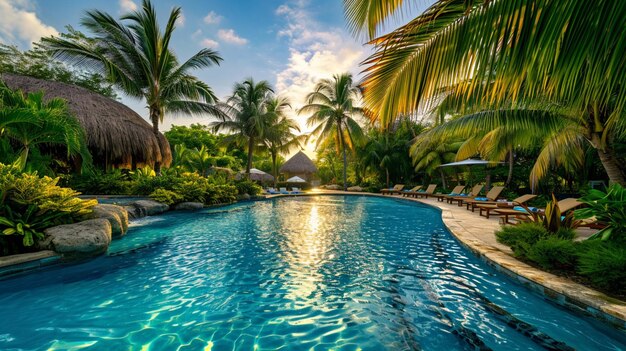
(247, 114)
(29, 120)
(333, 108)
(455, 46)
(136, 56)
(427, 158)
(387, 151)
(279, 137)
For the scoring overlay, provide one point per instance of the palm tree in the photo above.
(136, 56)
(455, 46)
(333, 109)
(279, 137)
(387, 151)
(30, 120)
(247, 114)
(428, 158)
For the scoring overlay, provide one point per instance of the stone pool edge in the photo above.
(559, 290)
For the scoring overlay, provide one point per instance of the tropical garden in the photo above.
(464, 79)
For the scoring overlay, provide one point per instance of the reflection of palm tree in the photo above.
(30, 120)
(279, 137)
(333, 106)
(457, 45)
(137, 58)
(246, 114)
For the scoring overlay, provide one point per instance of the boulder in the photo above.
(116, 215)
(333, 187)
(189, 206)
(82, 239)
(142, 208)
(355, 188)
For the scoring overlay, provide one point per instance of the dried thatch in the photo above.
(299, 164)
(116, 135)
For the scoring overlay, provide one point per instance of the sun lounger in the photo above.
(455, 192)
(491, 196)
(395, 190)
(272, 191)
(283, 191)
(494, 205)
(429, 191)
(521, 214)
(459, 199)
(412, 191)
(295, 190)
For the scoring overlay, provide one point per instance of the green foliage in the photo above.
(167, 197)
(554, 253)
(194, 136)
(249, 187)
(147, 185)
(552, 219)
(101, 183)
(522, 237)
(29, 204)
(608, 208)
(605, 265)
(38, 63)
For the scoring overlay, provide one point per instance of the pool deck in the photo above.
(478, 234)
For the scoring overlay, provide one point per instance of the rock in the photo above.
(243, 197)
(333, 187)
(116, 215)
(189, 206)
(142, 208)
(88, 238)
(355, 188)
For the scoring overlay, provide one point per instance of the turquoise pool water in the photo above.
(315, 273)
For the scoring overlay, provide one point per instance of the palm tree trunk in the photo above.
(443, 179)
(274, 170)
(154, 117)
(345, 158)
(387, 173)
(510, 176)
(608, 161)
(250, 151)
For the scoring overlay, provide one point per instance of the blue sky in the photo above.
(290, 43)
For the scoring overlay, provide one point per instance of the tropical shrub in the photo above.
(554, 253)
(220, 194)
(29, 204)
(98, 182)
(604, 265)
(608, 208)
(248, 187)
(522, 237)
(146, 185)
(552, 219)
(167, 197)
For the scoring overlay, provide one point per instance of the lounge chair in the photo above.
(295, 190)
(412, 191)
(429, 191)
(522, 215)
(455, 192)
(272, 191)
(283, 191)
(489, 206)
(459, 199)
(395, 190)
(491, 196)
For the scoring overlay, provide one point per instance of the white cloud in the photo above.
(229, 36)
(209, 43)
(213, 18)
(127, 5)
(315, 52)
(181, 19)
(20, 24)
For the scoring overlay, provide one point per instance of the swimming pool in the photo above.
(320, 273)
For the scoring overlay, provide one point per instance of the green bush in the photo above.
(29, 204)
(554, 253)
(248, 187)
(521, 237)
(146, 185)
(101, 183)
(608, 208)
(604, 265)
(167, 197)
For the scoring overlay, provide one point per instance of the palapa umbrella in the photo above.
(296, 179)
(257, 175)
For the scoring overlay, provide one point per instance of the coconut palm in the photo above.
(564, 52)
(279, 137)
(333, 111)
(247, 114)
(385, 150)
(136, 56)
(29, 120)
(428, 157)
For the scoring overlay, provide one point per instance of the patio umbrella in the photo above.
(257, 175)
(296, 179)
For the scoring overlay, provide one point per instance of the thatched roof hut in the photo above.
(116, 135)
(299, 165)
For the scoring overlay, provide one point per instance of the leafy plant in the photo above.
(608, 208)
(97, 182)
(551, 218)
(605, 265)
(554, 252)
(248, 187)
(167, 197)
(522, 237)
